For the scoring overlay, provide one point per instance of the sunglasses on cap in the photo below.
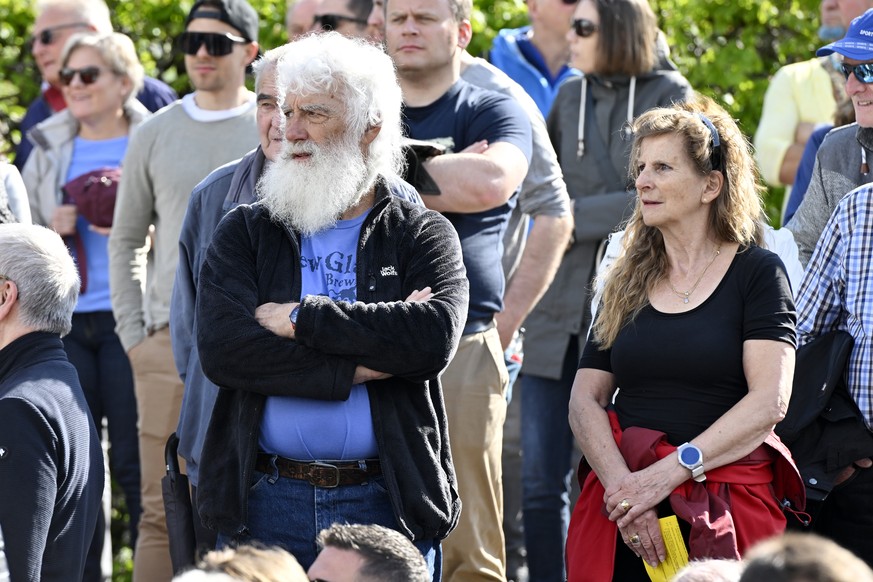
(863, 72)
(49, 35)
(88, 75)
(331, 21)
(584, 27)
(218, 44)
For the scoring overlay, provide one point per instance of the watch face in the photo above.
(690, 456)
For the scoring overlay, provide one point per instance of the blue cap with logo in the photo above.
(858, 42)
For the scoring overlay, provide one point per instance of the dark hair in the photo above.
(388, 555)
(627, 37)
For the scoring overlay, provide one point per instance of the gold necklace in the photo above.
(685, 295)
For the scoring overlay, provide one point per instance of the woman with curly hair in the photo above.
(696, 331)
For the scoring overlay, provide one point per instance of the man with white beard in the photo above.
(325, 313)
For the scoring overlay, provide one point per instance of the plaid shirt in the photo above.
(837, 290)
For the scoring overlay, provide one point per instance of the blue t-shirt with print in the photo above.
(325, 430)
(89, 155)
(464, 115)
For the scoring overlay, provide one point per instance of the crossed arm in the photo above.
(410, 339)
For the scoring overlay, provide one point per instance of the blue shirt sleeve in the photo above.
(804, 171)
(501, 119)
(156, 94)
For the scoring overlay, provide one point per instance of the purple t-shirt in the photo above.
(303, 428)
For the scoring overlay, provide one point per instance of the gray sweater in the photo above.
(837, 172)
(167, 157)
(599, 187)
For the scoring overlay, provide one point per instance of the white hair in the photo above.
(363, 76)
(37, 261)
(267, 63)
(92, 12)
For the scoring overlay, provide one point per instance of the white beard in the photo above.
(311, 195)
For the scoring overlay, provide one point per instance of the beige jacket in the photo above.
(46, 169)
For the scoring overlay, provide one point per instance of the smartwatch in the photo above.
(293, 316)
(691, 457)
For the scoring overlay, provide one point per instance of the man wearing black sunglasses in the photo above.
(842, 160)
(348, 17)
(169, 155)
(56, 21)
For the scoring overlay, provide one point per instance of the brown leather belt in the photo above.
(319, 474)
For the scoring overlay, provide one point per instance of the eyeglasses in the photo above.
(217, 44)
(88, 75)
(49, 35)
(332, 21)
(863, 72)
(584, 27)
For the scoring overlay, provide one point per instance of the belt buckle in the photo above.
(318, 466)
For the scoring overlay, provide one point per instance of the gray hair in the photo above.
(363, 76)
(116, 50)
(388, 555)
(92, 12)
(37, 261)
(267, 63)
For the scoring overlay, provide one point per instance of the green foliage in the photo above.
(728, 49)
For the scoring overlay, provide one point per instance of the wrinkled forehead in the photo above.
(328, 102)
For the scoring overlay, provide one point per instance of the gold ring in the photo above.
(625, 505)
(635, 540)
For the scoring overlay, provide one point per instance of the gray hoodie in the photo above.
(601, 192)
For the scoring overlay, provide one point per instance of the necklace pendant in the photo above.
(685, 300)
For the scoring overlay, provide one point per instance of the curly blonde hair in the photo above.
(735, 215)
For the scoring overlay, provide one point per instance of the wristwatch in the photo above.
(691, 457)
(293, 316)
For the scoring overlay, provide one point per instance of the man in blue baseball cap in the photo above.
(835, 295)
(842, 162)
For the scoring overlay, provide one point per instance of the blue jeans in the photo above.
(290, 513)
(107, 381)
(547, 448)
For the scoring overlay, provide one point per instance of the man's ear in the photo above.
(8, 298)
(465, 33)
(370, 134)
(252, 50)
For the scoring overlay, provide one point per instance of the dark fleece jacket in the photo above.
(252, 260)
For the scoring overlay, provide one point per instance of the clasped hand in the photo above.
(631, 504)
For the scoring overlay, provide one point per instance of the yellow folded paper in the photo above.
(677, 553)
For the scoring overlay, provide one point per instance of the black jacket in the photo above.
(51, 463)
(402, 248)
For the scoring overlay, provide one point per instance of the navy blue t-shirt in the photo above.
(464, 115)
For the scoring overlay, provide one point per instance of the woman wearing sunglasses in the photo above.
(696, 330)
(613, 42)
(100, 75)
